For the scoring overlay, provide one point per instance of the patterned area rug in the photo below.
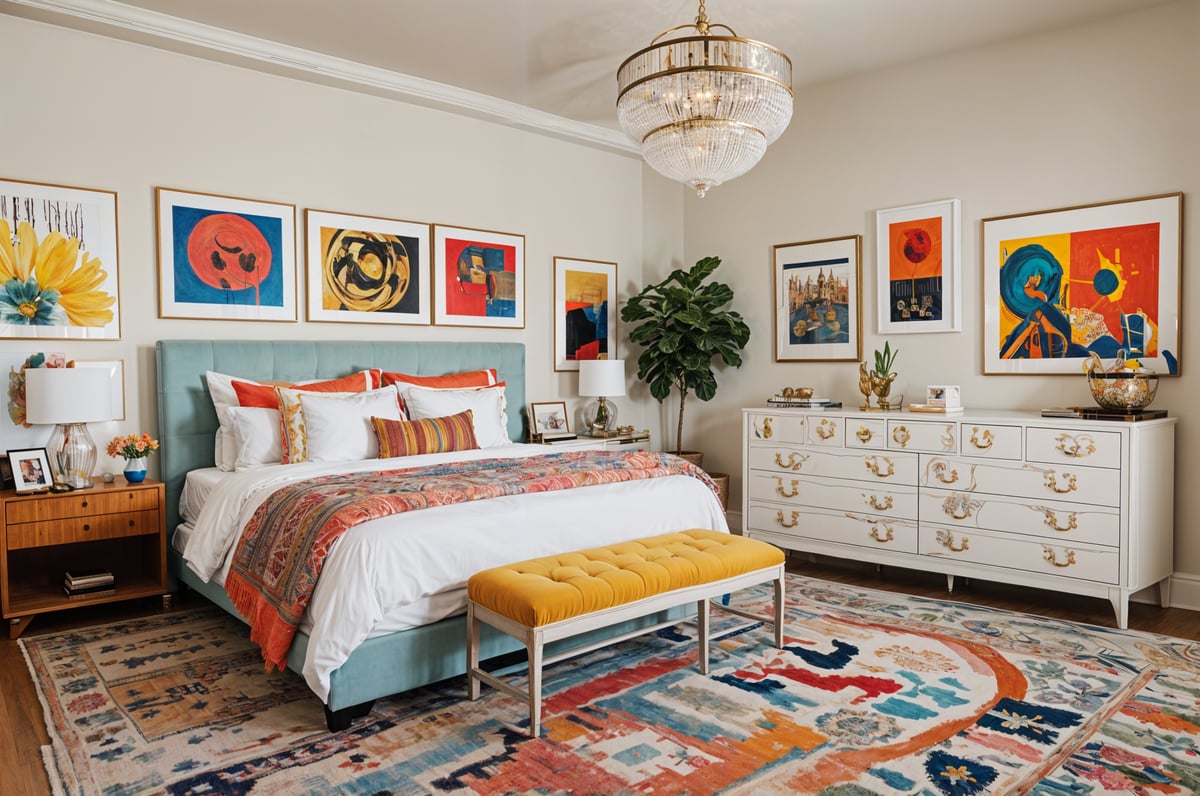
(876, 693)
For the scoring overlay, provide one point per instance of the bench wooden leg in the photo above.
(702, 626)
(472, 652)
(534, 645)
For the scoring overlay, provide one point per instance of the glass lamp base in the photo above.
(600, 416)
(72, 454)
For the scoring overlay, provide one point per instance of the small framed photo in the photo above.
(549, 419)
(919, 263)
(30, 469)
(6, 473)
(944, 396)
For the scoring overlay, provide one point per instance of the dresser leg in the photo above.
(167, 599)
(17, 626)
(1164, 592)
(1120, 604)
(950, 583)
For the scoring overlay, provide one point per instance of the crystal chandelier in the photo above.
(704, 108)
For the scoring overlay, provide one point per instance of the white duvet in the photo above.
(412, 567)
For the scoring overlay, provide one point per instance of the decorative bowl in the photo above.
(1127, 390)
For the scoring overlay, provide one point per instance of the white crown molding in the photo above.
(173, 33)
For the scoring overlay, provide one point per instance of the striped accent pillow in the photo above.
(431, 435)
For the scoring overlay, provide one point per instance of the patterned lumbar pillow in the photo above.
(431, 435)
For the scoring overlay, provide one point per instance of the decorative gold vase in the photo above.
(871, 383)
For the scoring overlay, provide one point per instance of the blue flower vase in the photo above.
(135, 470)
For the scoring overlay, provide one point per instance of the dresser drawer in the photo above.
(777, 428)
(823, 525)
(84, 503)
(865, 432)
(82, 529)
(912, 435)
(1083, 562)
(1055, 522)
(1026, 481)
(890, 500)
(1074, 446)
(990, 441)
(899, 468)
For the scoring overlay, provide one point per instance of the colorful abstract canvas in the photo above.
(585, 313)
(919, 252)
(479, 278)
(1063, 285)
(818, 300)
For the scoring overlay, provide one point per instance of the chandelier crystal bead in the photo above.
(704, 108)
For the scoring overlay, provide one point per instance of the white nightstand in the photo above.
(637, 441)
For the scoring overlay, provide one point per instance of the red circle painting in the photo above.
(228, 252)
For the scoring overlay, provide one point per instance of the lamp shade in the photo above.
(68, 395)
(602, 378)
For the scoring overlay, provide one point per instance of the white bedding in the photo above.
(411, 568)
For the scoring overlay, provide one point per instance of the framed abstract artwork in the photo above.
(225, 258)
(585, 311)
(58, 262)
(1061, 285)
(919, 267)
(366, 270)
(478, 278)
(818, 300)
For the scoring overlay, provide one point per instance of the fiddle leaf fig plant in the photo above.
(683, 325)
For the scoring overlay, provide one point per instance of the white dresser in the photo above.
(1080, 506)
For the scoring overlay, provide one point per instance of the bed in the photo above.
(392, 662)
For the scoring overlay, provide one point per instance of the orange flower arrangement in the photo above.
(132, 446)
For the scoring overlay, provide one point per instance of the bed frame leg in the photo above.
(339, 720)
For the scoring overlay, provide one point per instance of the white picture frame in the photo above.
(918, 261)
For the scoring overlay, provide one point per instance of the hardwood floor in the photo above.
(23, 732)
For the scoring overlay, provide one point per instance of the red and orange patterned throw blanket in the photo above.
(283, 547)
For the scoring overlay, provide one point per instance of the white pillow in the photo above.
(338, 426)
(220, 389)
(487, 405)
(255, 431)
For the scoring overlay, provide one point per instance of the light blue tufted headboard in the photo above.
(187, 422)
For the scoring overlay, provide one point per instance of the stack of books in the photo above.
(803, 403)
(88, 583)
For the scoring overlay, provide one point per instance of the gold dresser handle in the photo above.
(1052, 482)
(959, 507)
(940, 470)
(765, 432)
(826, 428)
(982, 442)
(872, 463)
(795, 487)
(1077, 446)
(901, 436)
(791, 463)
(795, 519)
(1052, 519)
(887, 537)
(1051, 556)
(879, 505)
(864, 434)
(946, 540)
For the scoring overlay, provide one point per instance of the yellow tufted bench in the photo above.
(546, 599)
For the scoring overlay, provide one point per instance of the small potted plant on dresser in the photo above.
(683, 325)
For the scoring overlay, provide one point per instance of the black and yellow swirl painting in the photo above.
(366, 270)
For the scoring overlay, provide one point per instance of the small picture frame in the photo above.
(30, 469)
(549, 419)
(943, 396)
(6, 473)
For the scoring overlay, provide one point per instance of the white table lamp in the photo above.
(601, 379)
(70, 398)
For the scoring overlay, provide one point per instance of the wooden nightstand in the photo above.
(119, 527)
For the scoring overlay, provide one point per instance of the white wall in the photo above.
(1096, 113)
(98, 113)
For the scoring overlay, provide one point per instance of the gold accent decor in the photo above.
(1052, 518)
(766, 429)
(948, 438)
(795, 487)
(944, 472)
(960, 507)
(1052, 482)
(879, 505)
(1077, 446)
(864, 434)
(704, 108)
(887, 537)
(795, 519)
(1050, 555)
(901, 436)
(826, 428)
(946, 540)
(872, 464)
(982, 441)
(791, 463)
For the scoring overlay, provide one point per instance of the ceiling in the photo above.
(556, 57)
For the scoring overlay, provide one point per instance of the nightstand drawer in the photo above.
(87, 503)
(83, 529)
